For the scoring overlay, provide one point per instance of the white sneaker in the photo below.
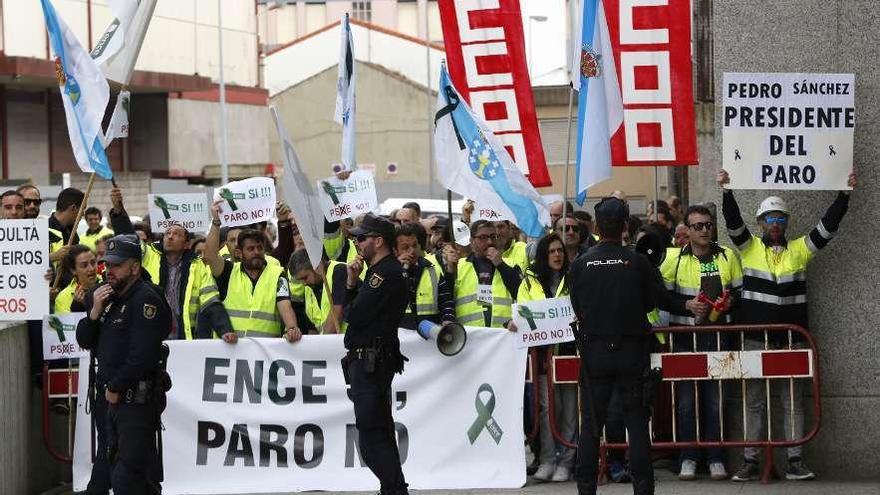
(544, 472)
(688, 470)
(562, 473)
(717, 471)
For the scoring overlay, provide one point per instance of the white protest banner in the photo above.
(483, 212)
(187, 209)
(247, 201)
(265, 416)
(543, 322)
(24, 260)
(788, 131)
(348, 198)
(59, 337)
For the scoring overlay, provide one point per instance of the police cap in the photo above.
(123, 247)
(372, 224)
(611, 209)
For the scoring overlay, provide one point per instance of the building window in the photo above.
(705, 60)
(554, 135)
(362, 10)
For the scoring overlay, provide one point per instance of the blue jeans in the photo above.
(710, 402)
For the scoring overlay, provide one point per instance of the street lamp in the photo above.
(536, 18)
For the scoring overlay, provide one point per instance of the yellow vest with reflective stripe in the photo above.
(254, 313)
(470, 312)
(789, 265)
(55, 246)
(65, 298)
(89, 240)
(516, 256)
(531, 289)
(681, 275)
(427, 290)
(318, 313)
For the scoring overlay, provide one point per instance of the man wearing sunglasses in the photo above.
(32, 200)
(484, 283)
(700, 266)
(373, 358)
(775, 291)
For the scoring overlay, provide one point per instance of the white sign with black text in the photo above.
(483, 212)
(543, 322)
(59, 337)
(24, 261)
(246, 201)
(189, 210)
(788, 131)
(348, 198)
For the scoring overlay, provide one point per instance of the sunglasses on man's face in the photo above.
(773, 220)
(34, 202)
(699, 226)
(363, 237)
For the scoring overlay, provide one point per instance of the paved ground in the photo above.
(666, 485)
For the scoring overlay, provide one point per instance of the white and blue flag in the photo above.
(472, 162)
(600, 107)
(84, 91)
(345, 100)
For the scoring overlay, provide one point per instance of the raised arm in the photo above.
(211, 257)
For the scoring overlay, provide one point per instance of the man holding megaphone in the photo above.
(429, 291)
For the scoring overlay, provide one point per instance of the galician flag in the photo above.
(472, 162)
(345, 100)
(600, 107)
(84, 91)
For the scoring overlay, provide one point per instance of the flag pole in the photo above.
(567, 159)
(79, 214)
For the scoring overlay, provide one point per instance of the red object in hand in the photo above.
(719, 305)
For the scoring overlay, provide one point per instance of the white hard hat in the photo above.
(461, 233)
(772, 203)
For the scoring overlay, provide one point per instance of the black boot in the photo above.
(586, 487)
(643, 487)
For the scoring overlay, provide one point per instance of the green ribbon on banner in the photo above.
(484, 416)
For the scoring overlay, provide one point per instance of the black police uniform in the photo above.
(612, 290)
(128, 341)
(374, 357)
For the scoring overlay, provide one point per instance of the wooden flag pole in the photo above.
(79, 215)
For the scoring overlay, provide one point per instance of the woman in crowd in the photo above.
(81, 263)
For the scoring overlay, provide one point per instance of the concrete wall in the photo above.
(822, 36)
(28, 146)
(392, 126)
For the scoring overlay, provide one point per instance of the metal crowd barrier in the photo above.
(791, 361)
(60, 384)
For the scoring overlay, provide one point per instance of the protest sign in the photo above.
(59, 337)
(24, 260)
(246, 201)
(348, 198)
(189, 210)
(264, 416)
(483, 212)
(788, 131)
(543, 322)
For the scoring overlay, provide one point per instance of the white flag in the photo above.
(118, 127)
(471, 161)
(345, 99)
(133, 17)
(84, 92)
(298, 193)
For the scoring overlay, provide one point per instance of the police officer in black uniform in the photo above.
(376, 308)
(127, 318)
(612, 291)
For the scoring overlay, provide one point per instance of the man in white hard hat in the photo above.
(775, 291)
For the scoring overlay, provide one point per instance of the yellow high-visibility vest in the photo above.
(468, 311)
(252, 309)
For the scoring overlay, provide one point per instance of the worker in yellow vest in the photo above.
(229, 235)
(186, 280)
(95, 230)
(318, 303)
(256, 294)
(430, 295)
(484, 284)
(512, 251)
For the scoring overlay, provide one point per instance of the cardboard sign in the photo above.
(24, 260)
(59, 337)
(483, 212)
(189, 210)
(246, 201)
(348, 198)
(543, 322)
(788, 131)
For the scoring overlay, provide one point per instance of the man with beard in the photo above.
(32, 200)
(775, 291)
(127, 318)
(187, 283)
(373, 357)
(256, 294)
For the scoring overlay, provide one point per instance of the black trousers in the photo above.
(135, 464)
(99, 483)
(371, 395)
(606, 370)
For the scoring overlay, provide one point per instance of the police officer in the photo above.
(127, 320)
(377, 306)
(612, 290)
